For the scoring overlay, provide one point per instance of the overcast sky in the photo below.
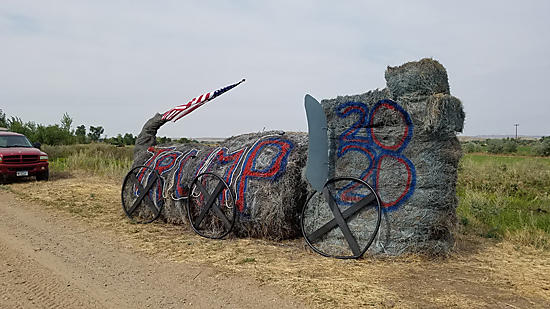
(116, 63)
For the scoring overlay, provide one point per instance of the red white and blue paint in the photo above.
(271, 172)
(237, 168)
(362, 137)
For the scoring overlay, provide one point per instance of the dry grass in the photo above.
(97, 158)
(480, 273)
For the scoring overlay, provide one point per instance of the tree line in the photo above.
(62, 133)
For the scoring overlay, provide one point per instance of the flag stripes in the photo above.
(179, 111)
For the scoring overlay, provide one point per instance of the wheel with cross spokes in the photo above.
(211, 207)
(343, 220)
(141, 194)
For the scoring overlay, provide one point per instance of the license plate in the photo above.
(22, 173)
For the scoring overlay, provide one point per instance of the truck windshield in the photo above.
(7, 141)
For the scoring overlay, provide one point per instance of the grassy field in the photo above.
(505, 198)
(99, 159)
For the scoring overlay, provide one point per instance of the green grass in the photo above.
(525, 150)
(505, 198)
(101, 159)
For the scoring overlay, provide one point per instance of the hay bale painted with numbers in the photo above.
(402, 141)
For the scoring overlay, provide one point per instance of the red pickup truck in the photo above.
(19, 158)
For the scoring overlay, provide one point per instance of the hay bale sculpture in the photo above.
(401, 140)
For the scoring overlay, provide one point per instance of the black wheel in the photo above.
(211, 207)
(43, 176)
(342, 221)
(141, 195)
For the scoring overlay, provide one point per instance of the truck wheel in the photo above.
(44, 176)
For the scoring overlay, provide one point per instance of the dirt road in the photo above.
(50, 260)
(70, 245)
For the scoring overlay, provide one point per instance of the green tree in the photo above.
(80, 134)
(163, 140)
(66, 122)
(3, 120)
(31, 129)
(51, 135)
(95, 133)
(543, 147)
(15, 124)
(116, 140)
(67, 136)
(129, 139)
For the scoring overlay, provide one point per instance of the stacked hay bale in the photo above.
(402, 140)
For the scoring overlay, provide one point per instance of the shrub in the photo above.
(543, 148)
(495, 146)
(470, 147)
(509, 146)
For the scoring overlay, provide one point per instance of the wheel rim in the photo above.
(343, 220)
(141, 194)
(211, 207)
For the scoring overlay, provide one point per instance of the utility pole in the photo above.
(516, 125)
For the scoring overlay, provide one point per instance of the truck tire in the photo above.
(43, 176)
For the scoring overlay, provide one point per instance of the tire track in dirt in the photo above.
(26, 284)
(49, 260)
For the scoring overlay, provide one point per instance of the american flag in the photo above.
(181, 110)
